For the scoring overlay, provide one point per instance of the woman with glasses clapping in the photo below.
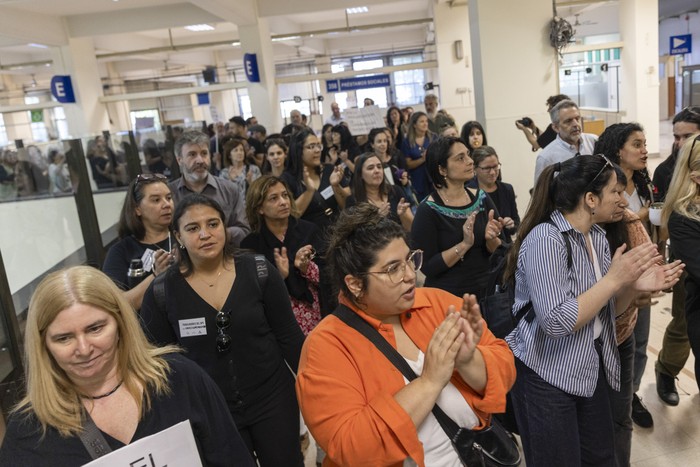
(231, 313)
(145, 247)
(359, 408)
(570, 289)
(488, 169)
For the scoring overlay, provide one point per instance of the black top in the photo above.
(321, 212)
(194, 396)
(685, 245)
(263, 329)
(120, 255)
(504, 199)
(662, 177)
(437, 228)
(547, 136)
(299, 234)
(395, 196)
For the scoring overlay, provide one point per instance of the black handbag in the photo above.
(490, 447)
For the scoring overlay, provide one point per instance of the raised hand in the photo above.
(442, 351)
(282, 262)
(493, 227)
(468, 229)
(303, 257)
(472, 325)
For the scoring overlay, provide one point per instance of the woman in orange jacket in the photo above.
(358, 406)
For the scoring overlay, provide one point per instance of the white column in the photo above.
(87, 115)
(263, 95)
(639, 31)
(515, 70)
(456, 77)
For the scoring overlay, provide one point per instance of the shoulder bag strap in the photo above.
(352, 319)
(92, 439)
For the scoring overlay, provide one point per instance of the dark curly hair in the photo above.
(611, 141)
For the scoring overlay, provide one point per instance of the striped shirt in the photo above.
(548, 345)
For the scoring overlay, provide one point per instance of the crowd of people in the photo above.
(240, 259)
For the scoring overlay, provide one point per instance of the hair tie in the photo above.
(557, 167)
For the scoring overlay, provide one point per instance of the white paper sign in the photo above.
(172, 447)
(361, 121)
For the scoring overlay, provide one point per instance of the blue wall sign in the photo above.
(250, 62)
(62, 89)
(682, 44)
(361, 82)
(202, 98)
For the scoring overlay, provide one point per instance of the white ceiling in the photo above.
(137, 25)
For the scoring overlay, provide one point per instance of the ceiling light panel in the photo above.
(199, 27)
(356, 10)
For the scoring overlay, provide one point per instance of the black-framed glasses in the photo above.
(489, 168)
(690, 154)
(397, 271)
(223, 340)
(607, 164)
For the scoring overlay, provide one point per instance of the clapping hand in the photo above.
(402, 207)
(468, 229)
(493, 227)
(336, 176)
(282, 262)
(442, 351)
(304, 256)
(471, 324)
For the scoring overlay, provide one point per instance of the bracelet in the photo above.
(461, 257)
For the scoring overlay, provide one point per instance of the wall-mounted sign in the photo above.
(202, 98)
(250, 63)
(62, 89)
(361, 82)
(682, 44)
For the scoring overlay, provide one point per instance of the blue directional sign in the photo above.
(62, 89)
(361, 82)
(682, 44)
(250, 62)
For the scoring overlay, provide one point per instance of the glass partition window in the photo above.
(3, 132)
(408, 84)
(592, 78)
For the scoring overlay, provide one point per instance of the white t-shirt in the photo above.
(438, 448)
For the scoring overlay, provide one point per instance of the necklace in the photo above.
(215, 280)
(447, 200)
(106, 394)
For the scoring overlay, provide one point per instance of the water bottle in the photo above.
(135, 274)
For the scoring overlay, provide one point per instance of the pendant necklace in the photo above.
(215, 280)
(106, 394)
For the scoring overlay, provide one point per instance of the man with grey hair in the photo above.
(192, 153)
(570, 140)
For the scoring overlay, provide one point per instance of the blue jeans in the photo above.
(621, 404)
(559, 429)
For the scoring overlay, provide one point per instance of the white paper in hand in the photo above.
(172, 447)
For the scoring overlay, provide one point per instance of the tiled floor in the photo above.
(674, 441)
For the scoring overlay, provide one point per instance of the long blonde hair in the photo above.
(684, 194)
(51, 395)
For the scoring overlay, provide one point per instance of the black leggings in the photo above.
(273, 437)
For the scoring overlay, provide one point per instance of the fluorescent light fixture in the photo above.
(199, 27)
(285, 38)
(356, 10)
(236, 43)
(38, 46)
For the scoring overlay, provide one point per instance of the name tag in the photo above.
(193, 327)
(327, 193)
(148, 259)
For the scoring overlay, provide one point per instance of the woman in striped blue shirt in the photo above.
(565, 347)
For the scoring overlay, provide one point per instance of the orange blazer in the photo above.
(345, 385)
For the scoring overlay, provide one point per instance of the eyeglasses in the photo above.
(690, 154)
(313, 146)
(223, 340)
(490, 168)
(148, 178)
(397, 271)
(607, 164)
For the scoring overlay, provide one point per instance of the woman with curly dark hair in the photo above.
(625, 145)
